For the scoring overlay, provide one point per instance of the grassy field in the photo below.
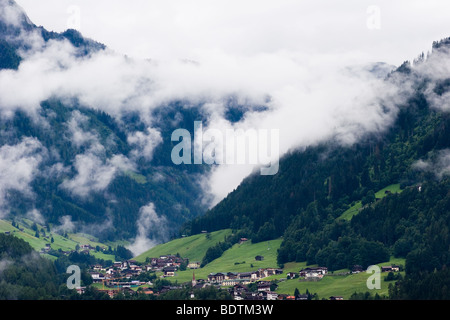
(337, 285)
(193, 247)
(59, 242)
(353, 210)
(239, 258)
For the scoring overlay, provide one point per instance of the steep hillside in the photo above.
(309, 201)
(192, 248)
(81, 169)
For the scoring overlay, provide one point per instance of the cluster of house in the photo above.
(264, 292)
(123, 270)
(130, 268)
(232, 278)
(84, 248)
(118, 277)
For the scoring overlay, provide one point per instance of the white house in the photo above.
(272, 295)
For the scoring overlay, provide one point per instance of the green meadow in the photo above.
(338, 285)
(241, 258)
(354, 209)
(193, 247)
(59, 242)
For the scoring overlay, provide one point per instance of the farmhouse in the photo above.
(357, 269)
(169, 271)
(86, 247)
(216, 277)
(272, 295)
(264, 286)
(194, 265)
(166, 261)
(318, 272)
(267, 272)
(291, 275)
(97, 277)
(390, 268)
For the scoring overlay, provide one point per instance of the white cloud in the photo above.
(312, 97)
(296, 52)
(11, 15)
(439, 165)
(144, 143)
(79, 136)
(66, 225)
(178, 29)
(36, 216)
(152, 230)
(95, 174)
(18, 167)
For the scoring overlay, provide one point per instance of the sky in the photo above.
(389, 31)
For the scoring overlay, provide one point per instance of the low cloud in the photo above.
(4, 264)
(11, 14)
(311, 98)
(18, 167)
(144, 143)
(312, 92)
(438, 165)
(36, 216)
(94, 174)
(152, 230)
(94, 170)
(66, 225)
(79, 134)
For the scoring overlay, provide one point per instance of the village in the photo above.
(125, 277)
(122, 277)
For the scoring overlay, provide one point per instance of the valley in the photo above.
(94, 177)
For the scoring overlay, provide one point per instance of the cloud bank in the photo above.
(311, 98)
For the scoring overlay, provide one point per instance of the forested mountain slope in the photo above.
(304, 201)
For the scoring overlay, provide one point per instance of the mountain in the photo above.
(305, 202)
(79, 167)
(83, 159)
